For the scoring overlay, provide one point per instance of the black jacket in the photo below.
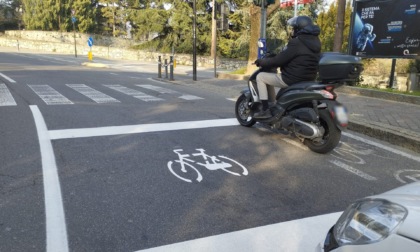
(299, 61)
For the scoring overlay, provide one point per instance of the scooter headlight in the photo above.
(368, 221)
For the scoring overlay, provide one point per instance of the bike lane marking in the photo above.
(56, 232)
(296, 235)
(352, 170)
(384, 147)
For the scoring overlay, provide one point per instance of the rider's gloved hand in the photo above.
(257, 62)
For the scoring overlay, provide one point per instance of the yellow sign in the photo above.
(174, 63)
(90, 56)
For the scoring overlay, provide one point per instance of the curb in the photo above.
(227, 76)
(97, 65)
(380, 94)
(384, 132)
(395, 135)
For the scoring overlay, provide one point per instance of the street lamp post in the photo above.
(194, 41)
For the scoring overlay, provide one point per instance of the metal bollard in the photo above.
(166, 68)
(160, 67)
(171, 68)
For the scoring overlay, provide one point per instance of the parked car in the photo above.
(385, 222)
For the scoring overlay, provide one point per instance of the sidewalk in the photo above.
(388, 117)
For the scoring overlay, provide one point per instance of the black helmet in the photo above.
(298, 23)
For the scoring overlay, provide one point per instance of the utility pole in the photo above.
(263, 22)
(339, 27)
(214, 36)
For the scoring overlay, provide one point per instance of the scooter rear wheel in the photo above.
(243, 112)
(331, 137)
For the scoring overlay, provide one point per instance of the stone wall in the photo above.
(106, 47)
(402, 81)
(117, 48)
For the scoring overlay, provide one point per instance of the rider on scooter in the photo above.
(298, 62)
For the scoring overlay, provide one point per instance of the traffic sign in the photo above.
(73, 19)
(90, 41)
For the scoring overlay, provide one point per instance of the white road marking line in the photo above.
(135, 93)
(190, 97)
(57, 59)
(6, 98)
(141, 128)
(291, 236)
(158, 89)
(352, 170)
(162, 82)
(49, 95)
(56, 231)
(93, 94)
(7, 78)
(398, 152)
(169, 91)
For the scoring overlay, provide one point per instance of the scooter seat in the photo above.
(297, 86)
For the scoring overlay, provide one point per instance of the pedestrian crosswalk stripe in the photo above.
(169, 91)
(52, 97)
(158, 89)
(93, 94)
(6, 98)
(49, 95)
(190, 97)
(135, 93)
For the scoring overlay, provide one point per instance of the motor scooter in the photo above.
(307, 110)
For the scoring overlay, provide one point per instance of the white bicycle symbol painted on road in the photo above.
(407, 176)
(179, 167)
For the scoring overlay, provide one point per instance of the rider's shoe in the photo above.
(263, 114)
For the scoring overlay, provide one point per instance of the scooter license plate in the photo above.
(341, 114)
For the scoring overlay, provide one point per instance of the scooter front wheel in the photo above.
(243, 112)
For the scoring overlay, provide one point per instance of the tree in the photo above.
(85, 14)
(326, 21)
(109, 13)
(277, 36)
(9, 15)
(234, 43)
(173, 28)
(338, 36)
(149, 22)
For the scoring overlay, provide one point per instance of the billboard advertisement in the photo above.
(386, 29)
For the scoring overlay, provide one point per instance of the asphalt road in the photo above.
(91, 161)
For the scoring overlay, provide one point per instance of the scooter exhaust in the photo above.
(301, 128)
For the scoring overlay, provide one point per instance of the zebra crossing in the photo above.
(51, 96)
